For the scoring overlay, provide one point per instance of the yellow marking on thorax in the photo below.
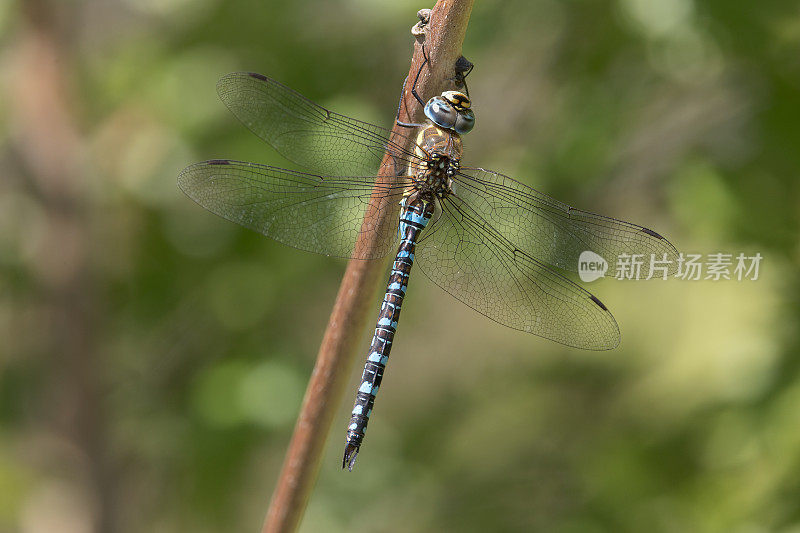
(435, 140)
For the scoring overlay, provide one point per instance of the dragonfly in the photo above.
(494, 243)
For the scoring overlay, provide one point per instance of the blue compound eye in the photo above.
(464, 122)
(441, 112)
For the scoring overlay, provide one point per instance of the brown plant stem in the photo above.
(444, 35)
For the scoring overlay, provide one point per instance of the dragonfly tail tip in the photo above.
(350, 453)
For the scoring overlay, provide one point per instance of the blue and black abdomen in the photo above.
(416, 213)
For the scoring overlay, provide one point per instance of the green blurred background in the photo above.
(154, 356)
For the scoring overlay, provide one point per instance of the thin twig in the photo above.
(443, 38)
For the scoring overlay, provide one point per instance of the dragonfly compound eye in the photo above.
(464, 122)
(441, 112)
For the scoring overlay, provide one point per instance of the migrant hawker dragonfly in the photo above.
(490, 241)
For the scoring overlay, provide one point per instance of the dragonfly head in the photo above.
(451, 111)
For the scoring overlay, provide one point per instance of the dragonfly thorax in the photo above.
(439, 153)
(435, 176)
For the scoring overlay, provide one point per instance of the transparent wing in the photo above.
(463, 254)
(320, 214)
(306, 133)
(554, 232)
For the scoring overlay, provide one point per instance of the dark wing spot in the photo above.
(219, 162)
(257, 76)
(598, 302)
(652, 233)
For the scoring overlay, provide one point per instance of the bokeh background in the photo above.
(153, 356)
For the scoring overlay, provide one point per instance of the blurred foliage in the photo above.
(154, 357)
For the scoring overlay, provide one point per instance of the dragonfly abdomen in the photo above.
(413, 219)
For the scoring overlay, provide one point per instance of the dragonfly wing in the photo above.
(306, 133)
(466, 256)
(320, 214)
(554, 232)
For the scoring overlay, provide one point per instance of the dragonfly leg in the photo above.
(416, 79)
(413, 92)
(463, 67)
(399, 105)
